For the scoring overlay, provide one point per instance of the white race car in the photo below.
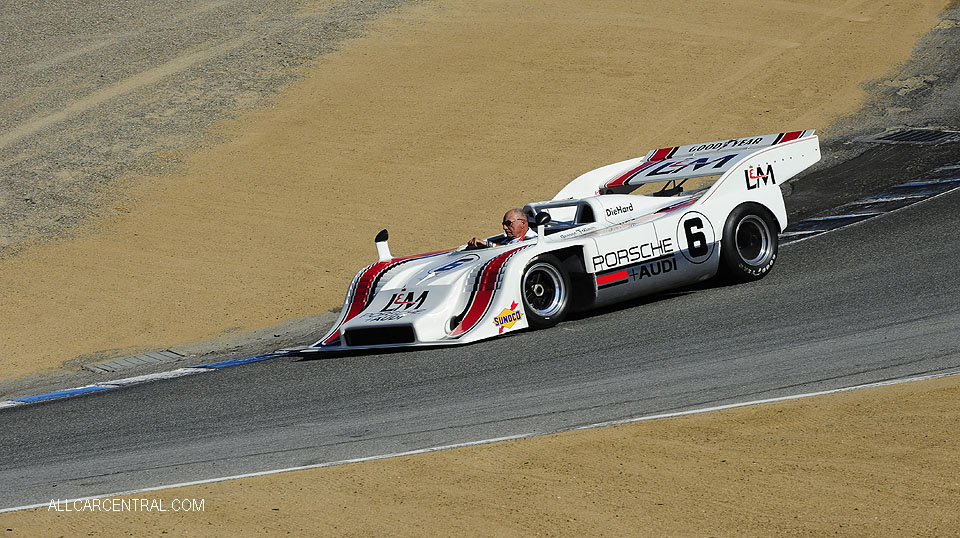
(596, 245)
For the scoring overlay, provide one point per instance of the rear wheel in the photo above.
(748, 249)
(545, 289)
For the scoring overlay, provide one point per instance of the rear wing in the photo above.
(674, 163)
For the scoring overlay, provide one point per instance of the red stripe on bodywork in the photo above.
(365, 285)
(792, 135)
(360, 295)
(483, 296)
(678, 206)
(606, 279)
(661, 154)
(333, 338)
(623, 178)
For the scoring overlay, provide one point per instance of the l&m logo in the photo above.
(754, 177)
(508, 317)
(405, 300)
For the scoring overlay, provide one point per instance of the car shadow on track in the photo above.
(713, 283)
(346, 353)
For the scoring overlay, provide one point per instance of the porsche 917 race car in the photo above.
(596, 244)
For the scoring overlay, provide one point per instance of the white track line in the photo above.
(840, 216)
(493, 440)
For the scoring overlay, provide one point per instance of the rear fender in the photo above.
(757, 178)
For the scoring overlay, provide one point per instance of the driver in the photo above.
(515, 229)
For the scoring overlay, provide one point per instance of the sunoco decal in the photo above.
(508, 317)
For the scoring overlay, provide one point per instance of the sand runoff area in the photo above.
(446, 113)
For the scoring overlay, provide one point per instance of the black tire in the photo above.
(748, 249)
(545, 291)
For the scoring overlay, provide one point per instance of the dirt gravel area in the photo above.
(443, 115)
(874, 462)
(95, 90)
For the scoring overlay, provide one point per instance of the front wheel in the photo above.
(748, 249)
(545, 289)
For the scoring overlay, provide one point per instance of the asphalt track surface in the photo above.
(872, 302)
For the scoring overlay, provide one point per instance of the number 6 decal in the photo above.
(697, 239)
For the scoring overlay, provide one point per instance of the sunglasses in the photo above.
(510, 222)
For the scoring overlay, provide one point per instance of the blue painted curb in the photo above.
(60, 394)
(108, 385)
(219, 365)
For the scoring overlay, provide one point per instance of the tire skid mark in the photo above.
(130, 84)
(69, 55)
(41, 65)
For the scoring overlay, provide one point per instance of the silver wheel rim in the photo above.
(754, 240)
(543, 289)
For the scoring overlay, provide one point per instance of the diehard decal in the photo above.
(619, 209)
(508, 317)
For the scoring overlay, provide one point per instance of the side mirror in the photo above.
(383, 250)
(541, 220)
